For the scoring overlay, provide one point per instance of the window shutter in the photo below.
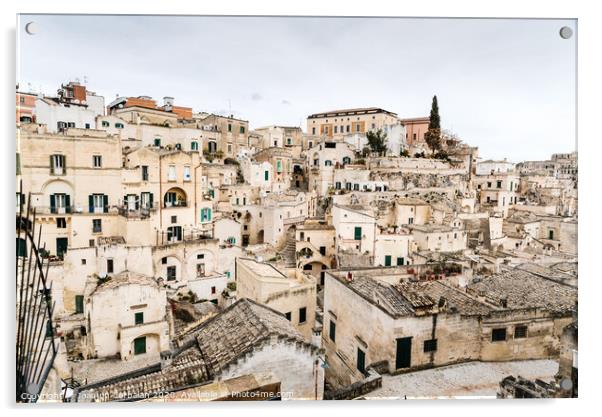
(91, 203)
(51, 164)
(150, 199)
(209, 214)
(68, 203)
(105, 203)
(52, 203)
(137, 202)
(64, 158)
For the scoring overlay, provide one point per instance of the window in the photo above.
(91, 243)
(288, 316)
(157, 142)
(60, 203)
(174, 234)
(278, 166)
(61, 223)
(146, 200)
(171, 273)
(520, 332)
(194, 146)
(387, 260)
(105, 123)
(229, 127)
(323, 250)
(83, 261)
(200, 256)
(205, 214)
(57, 164)
(97, 161)
(98, 203)
(186, 173)
(87, 125)
(171, 173)
(200, 270)
(400, 261)
(357, 233)
(336, 128)
(144, 172)
(79, 304)
(139, 318)
(333, 331)
(119, 125)
(96, 225)
(213, 290)
(266, 175)
(313, 132)
(289, 141)
(109, 266)
(361, 360)
(302, 315)
(328, 163)
(174, 219)
(499, 184)
(242, 130)
(430, 345)
(140, 345)
(498, 335)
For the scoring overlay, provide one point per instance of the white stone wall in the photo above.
(293, 364)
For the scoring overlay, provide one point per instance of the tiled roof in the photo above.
(215, 344)
(522, 289)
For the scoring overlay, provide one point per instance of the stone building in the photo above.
(292, 292)
(337, 123)
(420, 324)
(126, 316)
(244, 339)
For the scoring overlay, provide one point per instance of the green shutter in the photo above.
(358, 233)
(51, 164)
(79, 303)
(67, 203)
(387, 260)
(91, 203)
(52, 203)
(105, 203)
(139, 345)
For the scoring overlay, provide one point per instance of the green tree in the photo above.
(433, 135)
(377, 141)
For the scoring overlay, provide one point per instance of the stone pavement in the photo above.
(466, 380)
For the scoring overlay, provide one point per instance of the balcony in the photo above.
(140, 213)
(181, 235)
(175, 204)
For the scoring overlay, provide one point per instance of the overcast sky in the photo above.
(507, 86)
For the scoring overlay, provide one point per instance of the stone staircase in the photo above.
(288, 252)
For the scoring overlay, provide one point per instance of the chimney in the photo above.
(168, 103)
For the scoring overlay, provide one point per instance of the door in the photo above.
(139, 345)
(357, 233)
(403, 357)
(61, 246)
(387, 260)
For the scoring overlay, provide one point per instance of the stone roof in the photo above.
(522, 289)
(236, 331)
(414, 298)
(212, 347)
(126, 278)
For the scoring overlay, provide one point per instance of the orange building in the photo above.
(26, 104)
(148, 103)
(415, 129)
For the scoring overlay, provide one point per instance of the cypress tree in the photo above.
(435, 120)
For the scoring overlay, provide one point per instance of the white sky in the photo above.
(507, 86)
